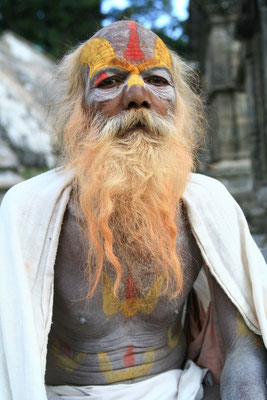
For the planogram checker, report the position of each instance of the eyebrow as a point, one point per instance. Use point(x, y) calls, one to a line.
point(109, 71)
point(155, 69)
point(123, 72)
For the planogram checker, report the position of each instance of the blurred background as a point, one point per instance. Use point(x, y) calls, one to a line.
point(224, 41)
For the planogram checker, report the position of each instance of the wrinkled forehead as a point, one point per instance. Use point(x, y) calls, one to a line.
point(125, 44)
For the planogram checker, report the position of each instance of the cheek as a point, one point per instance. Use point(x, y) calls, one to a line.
point(165, 93)
point(164, 98)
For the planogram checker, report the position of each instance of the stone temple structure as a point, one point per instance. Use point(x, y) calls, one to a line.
point(25, 147)
point(228, 41)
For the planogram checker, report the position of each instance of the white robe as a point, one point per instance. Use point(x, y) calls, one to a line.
point(30, 222)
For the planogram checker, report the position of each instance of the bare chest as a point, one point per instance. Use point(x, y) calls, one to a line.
point(126, 330)
point(71, 281)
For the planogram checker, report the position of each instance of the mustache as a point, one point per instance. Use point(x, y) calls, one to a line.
point(127, 122)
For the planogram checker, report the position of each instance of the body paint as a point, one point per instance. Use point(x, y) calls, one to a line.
point(133, 51)
point(126, 373)
point(175, 334)
point(100, 55)
point(166, 93)
point(101, 77)
point(64, 356)
point(243, 331)
point(128, 357)
point(131, 306)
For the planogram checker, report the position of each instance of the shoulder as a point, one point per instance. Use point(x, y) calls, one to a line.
point(210, 189)
point(203, 183)
point(38, 188)
point(208, 196)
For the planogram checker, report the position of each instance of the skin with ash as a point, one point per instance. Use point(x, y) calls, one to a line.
point(127, 258)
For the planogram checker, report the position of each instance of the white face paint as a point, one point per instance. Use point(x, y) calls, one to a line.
point(164, 92)
point(99, 90)
point(109, 83)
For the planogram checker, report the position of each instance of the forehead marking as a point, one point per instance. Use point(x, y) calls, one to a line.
point(133, 51)
point(98, 54)
point(135, 79)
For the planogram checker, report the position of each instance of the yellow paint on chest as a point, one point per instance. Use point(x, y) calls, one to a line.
point(127, 373)
point(175, 336)
point(68, 363)
point(243, 330)
point(129, 307)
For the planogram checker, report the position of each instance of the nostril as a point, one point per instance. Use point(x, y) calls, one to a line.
point(145, 104)
point(132, 104)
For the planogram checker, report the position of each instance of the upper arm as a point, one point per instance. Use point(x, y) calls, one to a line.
point(245, 369)
point(231, 323)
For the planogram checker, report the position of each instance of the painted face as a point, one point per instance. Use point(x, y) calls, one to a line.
point(129, 67)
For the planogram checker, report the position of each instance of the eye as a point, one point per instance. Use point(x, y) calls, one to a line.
point(110, 82)
point(156, 80)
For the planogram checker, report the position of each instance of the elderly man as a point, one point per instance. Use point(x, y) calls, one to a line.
point(99, 257)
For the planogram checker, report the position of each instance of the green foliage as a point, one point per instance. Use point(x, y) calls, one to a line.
point(54, 25)
point(31, 172)
point(58, 25)
point(149, 13)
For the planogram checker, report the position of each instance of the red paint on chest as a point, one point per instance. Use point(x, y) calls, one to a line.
point(100, 78)
point(133, 51)
point(130, 290)
point(66, 349)
point(128, 358)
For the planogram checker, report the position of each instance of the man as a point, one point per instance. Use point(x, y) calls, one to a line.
point(99, 259)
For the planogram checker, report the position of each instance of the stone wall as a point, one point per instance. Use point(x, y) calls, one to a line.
point(24, 136)
point(228, 40)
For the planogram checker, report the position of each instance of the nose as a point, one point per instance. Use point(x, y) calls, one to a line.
point(136, 97)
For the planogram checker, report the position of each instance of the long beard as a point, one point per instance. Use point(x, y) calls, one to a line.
point(131, 171)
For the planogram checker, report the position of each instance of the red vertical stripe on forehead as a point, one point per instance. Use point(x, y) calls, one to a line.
point(100, 78)
point(133, 51)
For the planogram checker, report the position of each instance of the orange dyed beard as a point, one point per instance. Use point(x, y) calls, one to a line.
point(131, 171)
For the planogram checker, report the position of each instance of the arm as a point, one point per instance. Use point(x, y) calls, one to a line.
point(245, 370)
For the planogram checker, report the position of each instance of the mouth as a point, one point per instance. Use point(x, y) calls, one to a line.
point(138, 127)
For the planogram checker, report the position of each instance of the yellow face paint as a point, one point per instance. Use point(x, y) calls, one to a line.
point(98, 54)
point(135, 79)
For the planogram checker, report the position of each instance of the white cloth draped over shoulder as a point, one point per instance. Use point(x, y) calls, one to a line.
point(30, 222)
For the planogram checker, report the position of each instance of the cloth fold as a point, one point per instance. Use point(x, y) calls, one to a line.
point(176, 384)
